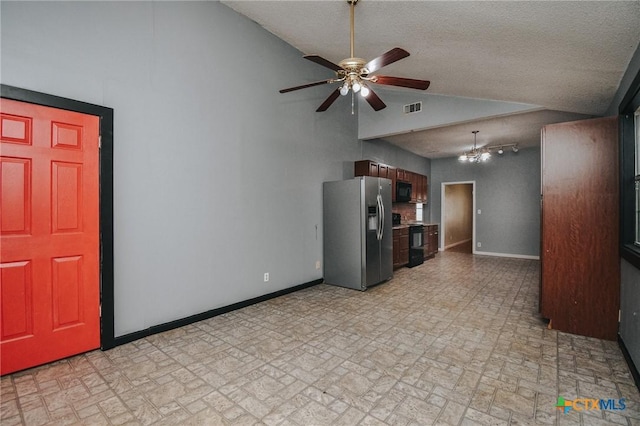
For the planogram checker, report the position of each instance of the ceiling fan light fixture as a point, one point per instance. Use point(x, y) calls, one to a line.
point(500, 151)
point(355, 72)
point(515, 148)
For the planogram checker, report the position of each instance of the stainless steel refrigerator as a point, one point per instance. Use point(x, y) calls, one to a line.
point(358, 240)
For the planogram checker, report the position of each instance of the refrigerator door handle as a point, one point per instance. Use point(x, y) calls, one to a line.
point(379, 213)
point(377, 218)
point(383, 217)
point(380, 216)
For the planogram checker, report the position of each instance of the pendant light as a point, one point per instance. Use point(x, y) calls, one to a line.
point(475, 155)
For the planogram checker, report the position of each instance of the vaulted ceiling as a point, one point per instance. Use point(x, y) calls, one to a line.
point(563, 58)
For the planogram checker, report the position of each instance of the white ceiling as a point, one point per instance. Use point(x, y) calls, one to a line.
point(567, 57)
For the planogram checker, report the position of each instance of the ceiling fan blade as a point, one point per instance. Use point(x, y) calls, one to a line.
point(385, 59)
point(402, 82)
point(375, 102)
point(331, 99)
point(324, 62)
point(304, 86)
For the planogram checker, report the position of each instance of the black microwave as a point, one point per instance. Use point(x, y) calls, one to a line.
point(403, 192)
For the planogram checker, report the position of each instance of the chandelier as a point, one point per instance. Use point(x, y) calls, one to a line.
point(475, 155)
point(480, 155)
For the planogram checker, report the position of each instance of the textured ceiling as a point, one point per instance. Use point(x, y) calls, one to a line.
point(566, 56)
point(521, 129)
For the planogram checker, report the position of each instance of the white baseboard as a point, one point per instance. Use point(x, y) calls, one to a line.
point(457, 244)
point(517, 256)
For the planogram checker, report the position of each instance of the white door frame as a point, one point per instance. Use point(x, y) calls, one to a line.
point(443, 213)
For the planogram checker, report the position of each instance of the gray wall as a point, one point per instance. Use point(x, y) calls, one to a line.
point(218, 178)
point(507, 193)
point(385, 152)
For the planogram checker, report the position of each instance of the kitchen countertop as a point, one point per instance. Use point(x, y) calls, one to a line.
point(422, 223)
point(401, 226)
point(406, 225)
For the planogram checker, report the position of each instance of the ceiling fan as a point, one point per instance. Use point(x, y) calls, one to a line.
point(356, 74)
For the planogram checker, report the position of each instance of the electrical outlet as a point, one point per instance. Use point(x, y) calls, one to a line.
point(479, 245)
point(317, 264)
point(266, 277)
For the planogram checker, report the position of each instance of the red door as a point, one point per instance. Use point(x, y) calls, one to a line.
point(49, 235)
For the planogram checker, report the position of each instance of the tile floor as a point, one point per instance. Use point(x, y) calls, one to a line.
point(454, 341)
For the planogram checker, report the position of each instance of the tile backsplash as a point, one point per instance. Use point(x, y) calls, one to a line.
point(407, 211)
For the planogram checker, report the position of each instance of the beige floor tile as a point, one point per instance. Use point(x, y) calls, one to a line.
point(457, 340)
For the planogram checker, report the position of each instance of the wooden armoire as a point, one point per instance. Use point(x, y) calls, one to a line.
point(580, 261)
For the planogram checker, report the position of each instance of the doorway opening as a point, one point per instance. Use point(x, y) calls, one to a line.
point(458, 219)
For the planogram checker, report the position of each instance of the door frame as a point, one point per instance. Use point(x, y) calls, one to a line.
point(107, 339)
point(443, 213)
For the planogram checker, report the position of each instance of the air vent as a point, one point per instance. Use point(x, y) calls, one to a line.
point(411, 108)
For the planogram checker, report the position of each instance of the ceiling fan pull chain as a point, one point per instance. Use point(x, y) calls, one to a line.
point(352, 103)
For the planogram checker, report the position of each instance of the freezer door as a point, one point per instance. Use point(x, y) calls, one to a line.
point(373, 228)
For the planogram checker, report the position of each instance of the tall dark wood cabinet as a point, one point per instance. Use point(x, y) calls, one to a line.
point(580, 277)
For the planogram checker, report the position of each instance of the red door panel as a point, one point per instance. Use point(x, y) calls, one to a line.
point(17, 301)
point(16, 196)
point(49, 235)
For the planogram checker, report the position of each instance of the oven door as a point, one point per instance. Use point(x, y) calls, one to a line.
point(416, 237)
point(416, 245)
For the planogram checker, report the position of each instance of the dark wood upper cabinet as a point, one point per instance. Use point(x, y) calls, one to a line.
point(362, 168)
point(382, 170)
point(418, 182)
point(374, 170)
point(580, 277)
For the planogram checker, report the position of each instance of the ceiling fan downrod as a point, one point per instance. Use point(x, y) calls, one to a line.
point(354, 71)
point(352, 3)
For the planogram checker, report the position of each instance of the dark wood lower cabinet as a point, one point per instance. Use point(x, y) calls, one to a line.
point(430, 241)
point(400, 247)
point(580, 279)
point(401, 244)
